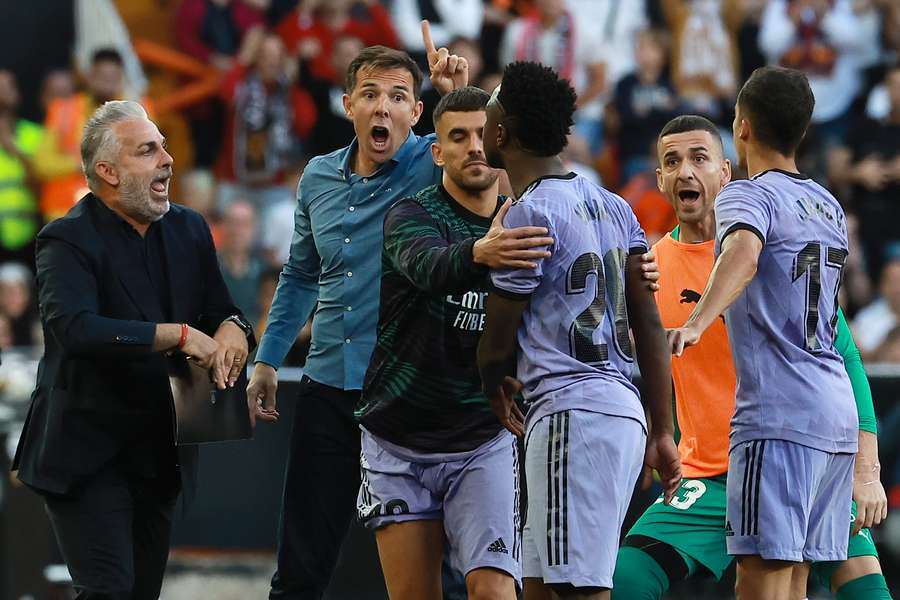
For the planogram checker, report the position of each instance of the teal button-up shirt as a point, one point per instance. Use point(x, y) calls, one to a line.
point(335, 259)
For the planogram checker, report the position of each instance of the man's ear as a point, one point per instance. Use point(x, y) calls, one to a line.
point(107, 172)
point(417, 113)
point(437, 154)
point(345, 100)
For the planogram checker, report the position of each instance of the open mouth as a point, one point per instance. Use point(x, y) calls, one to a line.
point(380, 137)
point(160, 184)
point(688, 196)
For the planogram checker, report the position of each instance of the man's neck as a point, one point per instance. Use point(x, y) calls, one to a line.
point(760, 160)
point(483, 203)
point(894, 116)
point(113, 205)
point(363, 165)
point(530, 168)
point(699, 232)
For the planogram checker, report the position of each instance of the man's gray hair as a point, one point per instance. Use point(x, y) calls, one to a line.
point(98, 142)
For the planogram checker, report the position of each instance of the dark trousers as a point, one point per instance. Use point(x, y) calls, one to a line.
point(321, 482)
point(114, 532)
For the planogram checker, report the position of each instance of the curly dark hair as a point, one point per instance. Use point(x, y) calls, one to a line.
point(542, 104)
point(779, 105)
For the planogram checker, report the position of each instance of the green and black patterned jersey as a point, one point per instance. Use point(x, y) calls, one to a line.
point(422, 390)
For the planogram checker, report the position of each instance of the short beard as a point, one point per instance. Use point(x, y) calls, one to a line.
point(134, 197)
point(477, 186)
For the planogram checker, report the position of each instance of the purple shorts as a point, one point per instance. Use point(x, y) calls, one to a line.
point(474, 493)
point(788, 502)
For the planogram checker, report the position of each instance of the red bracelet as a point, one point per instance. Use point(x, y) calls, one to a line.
point(184, 334)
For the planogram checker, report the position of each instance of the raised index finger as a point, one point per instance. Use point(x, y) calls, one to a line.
point(426, 37)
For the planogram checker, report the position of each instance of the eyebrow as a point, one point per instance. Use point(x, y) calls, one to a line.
point(152, 144)
point(457, 130)
point(372, 84)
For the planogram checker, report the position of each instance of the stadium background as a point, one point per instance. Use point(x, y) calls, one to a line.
point(198, 64)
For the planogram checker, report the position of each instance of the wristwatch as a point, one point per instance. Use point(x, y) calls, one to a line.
point(241, 322)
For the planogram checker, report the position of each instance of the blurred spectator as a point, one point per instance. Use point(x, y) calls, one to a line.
point(749, 56)
point(651, 207)
point(6, 336)
point(19, 140)
point(870, 163)
point(277, 232)
point(268, 116)
point(449, 19)
point(644, 102)
point(489, 81)
point(58, 160)
point(17, 302)
point(826, 39)
point(471, 51)
point(333, 129)
point(59, 83)
point(241, 267)
point(212, 30)
point(296, 356)
point(196, 189)
point(576, 157)
point(872, 324)
point(856, 290)
point(309, 31)
point(99, 25)
point(889, 351)
point(570, 43)
point(615, 25)
point(704, 54)
point(878, 104)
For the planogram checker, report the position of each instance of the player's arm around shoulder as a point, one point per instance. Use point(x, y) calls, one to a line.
point(417, 245)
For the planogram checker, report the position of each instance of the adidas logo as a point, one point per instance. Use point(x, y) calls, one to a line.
point(728, 530)
point(498, 546)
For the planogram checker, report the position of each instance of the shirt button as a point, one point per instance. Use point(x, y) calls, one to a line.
point(346, 240)
point(349, 308)
point(349, 273)
point(352, 208)
point(372, 195)
point(347, 341)
point(365, 180)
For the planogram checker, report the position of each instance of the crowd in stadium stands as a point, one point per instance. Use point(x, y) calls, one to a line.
point(248, 90)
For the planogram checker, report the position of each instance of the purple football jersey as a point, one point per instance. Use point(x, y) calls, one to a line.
point(575, 349)
point(791, 382)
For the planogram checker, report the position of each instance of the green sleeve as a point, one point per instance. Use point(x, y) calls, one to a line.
point(416, 247)
point(853, 364)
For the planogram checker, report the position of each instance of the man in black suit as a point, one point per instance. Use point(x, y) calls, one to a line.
point(126, 283)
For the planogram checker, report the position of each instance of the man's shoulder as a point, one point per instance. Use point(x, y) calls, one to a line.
point(427, 200)
point(72, 226)
point(180, 215)
point(325, 163)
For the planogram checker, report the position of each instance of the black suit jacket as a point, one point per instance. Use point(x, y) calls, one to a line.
point(99, 382)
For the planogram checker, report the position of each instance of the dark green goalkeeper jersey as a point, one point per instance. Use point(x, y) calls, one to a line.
point(422, 389)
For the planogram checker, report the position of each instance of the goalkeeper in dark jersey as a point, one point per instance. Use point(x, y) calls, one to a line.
point(438, 470)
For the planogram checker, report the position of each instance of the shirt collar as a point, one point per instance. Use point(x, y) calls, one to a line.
point(346, 164)
point(110, 218)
